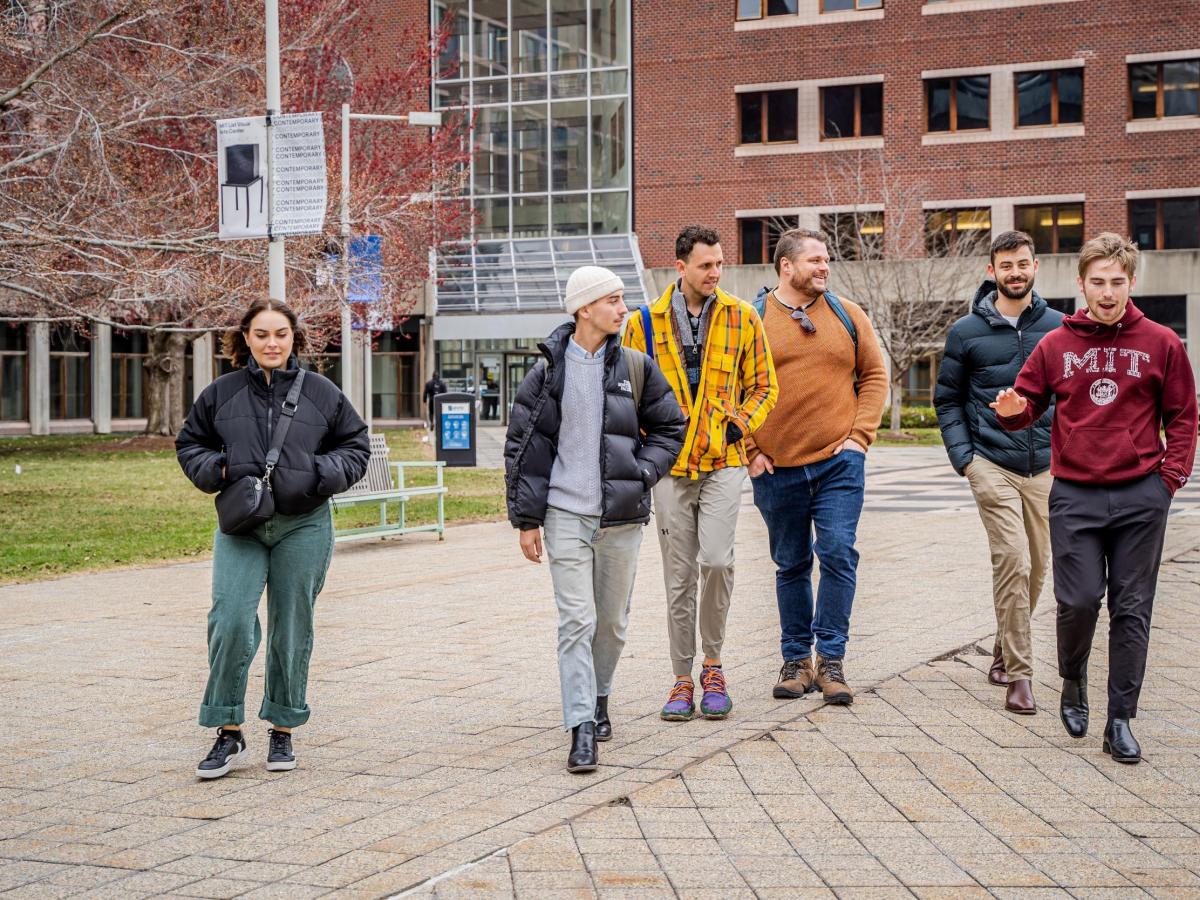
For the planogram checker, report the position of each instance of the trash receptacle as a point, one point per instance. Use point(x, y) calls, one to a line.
point(454, 414)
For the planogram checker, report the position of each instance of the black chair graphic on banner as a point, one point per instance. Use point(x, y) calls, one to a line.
point(241, 172)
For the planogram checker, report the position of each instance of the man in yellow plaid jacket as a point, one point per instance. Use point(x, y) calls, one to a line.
point(713, 351)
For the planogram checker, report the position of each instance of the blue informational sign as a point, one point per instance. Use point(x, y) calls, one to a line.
point(366, 269)
point(456, 426)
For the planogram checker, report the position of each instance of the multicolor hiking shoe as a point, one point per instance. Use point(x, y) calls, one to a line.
point(679, 706)
point(715, 704)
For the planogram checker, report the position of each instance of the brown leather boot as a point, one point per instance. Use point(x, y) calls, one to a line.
point(832, 682)
point(998, 674)
point(1020, 697)
point(795, 679)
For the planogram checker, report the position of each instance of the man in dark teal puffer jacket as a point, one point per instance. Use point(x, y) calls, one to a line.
point(1009, 472)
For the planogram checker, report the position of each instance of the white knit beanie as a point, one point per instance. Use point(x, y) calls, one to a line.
point(588, 284)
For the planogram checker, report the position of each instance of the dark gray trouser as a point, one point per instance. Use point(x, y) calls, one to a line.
point(288, 555)
point(1107, 538)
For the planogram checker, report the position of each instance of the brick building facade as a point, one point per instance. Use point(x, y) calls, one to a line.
point(691, 164)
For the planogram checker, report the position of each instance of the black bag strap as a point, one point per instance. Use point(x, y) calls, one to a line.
point(285, 422)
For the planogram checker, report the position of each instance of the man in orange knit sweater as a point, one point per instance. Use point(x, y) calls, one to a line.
point(807, 460)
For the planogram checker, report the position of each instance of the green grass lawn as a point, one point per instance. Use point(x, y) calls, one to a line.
point(97, 501)
point(90, 502)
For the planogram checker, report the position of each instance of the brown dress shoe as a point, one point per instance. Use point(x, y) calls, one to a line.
point(998, 674)
point(832, 682)
point(795, 679)
point(1020, 697)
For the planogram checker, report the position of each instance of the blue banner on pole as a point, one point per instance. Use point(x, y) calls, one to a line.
point(366, 269)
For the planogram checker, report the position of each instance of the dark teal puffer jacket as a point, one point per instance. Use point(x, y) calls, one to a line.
point(983, 355)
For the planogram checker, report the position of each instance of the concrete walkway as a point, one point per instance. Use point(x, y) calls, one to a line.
point(434, 759)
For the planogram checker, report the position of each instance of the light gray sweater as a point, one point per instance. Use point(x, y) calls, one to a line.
point(575, 483)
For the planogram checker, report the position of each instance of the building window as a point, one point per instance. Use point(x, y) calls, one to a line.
point(854, 235)
point(958, 104)
point(70, 375)
point(845, 5)
point(1065, 305)
point(1049, 98)
point(1055, 228)
point(1160, 90)
point(14, 391)
point(767, 117)
point(1168, 223)
point(852, 110)
point(1170, 311)
point(395, 393)
point(129, 353)
point(757, 9)
point(958, 232)
point(758, 238)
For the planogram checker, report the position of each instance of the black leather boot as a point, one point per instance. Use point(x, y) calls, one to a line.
point(1119, 742)
point(603, 725)
point(1073, 708)
point(583, 748)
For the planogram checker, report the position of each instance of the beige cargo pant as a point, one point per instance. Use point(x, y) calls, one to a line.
point(696, 521)
point(1015, 510)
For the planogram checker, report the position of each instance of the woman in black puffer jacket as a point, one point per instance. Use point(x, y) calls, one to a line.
point(227, 436)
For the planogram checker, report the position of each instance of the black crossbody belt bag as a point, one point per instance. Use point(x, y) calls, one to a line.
point(247, 503)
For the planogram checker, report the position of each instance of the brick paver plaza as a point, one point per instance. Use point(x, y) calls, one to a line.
point(434, 761)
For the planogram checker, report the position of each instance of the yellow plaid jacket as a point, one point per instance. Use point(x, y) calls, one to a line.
point(737, 382)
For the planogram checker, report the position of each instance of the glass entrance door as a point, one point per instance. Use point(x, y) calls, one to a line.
point(516, 367)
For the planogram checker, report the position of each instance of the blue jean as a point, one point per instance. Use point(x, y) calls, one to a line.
point(825, 497)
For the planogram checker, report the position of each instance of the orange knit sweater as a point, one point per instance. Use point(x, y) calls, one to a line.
point(817, 408)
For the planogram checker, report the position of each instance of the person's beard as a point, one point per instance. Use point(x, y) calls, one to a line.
point(803, 285)
point(1015, 293)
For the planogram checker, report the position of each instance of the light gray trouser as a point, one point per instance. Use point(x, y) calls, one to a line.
point(592, 569)
point(697, 520)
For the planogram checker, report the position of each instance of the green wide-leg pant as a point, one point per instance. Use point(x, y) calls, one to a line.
point(288, 555)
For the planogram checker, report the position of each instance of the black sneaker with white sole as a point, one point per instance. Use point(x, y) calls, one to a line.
point(230, 747)
point(280, 757)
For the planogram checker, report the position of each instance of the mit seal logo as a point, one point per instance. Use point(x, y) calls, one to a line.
point(1103, 391)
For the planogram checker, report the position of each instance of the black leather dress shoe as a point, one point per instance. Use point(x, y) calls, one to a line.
point(583, 755)
point(1073, 708)
point(603, 725)
point(1119, 742)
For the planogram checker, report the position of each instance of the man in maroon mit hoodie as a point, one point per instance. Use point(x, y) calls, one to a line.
point(1117, 380)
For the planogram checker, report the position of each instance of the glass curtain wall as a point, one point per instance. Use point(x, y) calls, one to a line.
point(548, 83)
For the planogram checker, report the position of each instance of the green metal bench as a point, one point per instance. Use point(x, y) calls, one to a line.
point(379, 487)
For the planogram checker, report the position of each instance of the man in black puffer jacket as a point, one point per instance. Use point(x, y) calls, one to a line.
point(1009, 472)
point(593, 428)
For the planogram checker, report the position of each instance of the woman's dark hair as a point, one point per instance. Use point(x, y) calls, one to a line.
point(233, 344)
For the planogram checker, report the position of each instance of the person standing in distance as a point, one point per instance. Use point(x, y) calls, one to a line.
point(1119, 382)
point(227, 436)
point(714, 353)
point(807, 462)
point(1009, 472)
point(593, 428)
point(433, 387)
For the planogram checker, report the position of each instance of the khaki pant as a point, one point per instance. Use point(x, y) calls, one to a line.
point(1016, 516)
point(696, 521)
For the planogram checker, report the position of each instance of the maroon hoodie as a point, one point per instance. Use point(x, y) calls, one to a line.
point(1114, 388)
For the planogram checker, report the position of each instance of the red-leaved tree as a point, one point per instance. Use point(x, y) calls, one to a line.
point(108, 168)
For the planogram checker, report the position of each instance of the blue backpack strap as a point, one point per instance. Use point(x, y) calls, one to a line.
point(648, 330)
point(836, 305)
point(760, 301)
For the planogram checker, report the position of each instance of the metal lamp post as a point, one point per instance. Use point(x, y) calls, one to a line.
point(359, 389)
